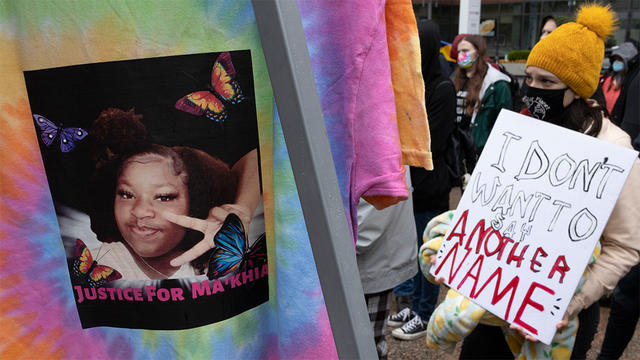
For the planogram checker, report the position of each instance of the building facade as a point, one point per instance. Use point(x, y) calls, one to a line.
point(517, 23)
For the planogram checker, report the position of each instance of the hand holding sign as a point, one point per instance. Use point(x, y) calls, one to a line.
point(433, 260)
point(529, 220)
point(559, 326)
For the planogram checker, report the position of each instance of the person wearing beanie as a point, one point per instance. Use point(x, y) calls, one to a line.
point(562, 75)
point(454, 45)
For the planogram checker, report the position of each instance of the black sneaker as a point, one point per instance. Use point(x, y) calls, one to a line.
point(400, 318)
point(412, 330)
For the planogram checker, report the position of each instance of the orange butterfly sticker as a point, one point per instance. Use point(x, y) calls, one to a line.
point(87, 271)
point(223, 88)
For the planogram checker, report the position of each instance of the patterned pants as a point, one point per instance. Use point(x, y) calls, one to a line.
point(378, 306)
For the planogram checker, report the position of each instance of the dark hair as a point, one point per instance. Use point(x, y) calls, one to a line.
point(116, 132)
point(209, 181)
point(583, 117)
point(544, 21)
point(479, 69)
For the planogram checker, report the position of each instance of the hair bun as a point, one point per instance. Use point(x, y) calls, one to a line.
point(597, 18)
point(117, 132)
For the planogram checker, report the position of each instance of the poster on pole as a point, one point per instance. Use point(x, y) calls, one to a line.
point(524, 230)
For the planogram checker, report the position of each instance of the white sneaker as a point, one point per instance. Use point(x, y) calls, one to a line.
point(412, 330)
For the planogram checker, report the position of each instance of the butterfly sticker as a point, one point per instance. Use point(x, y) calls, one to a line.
point(49, 131)
point(87, 271)
point(223, 87)
point(232, 255)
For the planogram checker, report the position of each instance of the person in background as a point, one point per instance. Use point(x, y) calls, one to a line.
point(482, 90)
point(454, 52)
point(612, 81)
point(626, 111)
point(547, 25)
point(430, 188)
point(386, 256)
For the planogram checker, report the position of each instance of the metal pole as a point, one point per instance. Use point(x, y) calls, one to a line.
point(294, 88)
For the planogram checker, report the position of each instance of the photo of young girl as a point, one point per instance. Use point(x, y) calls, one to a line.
point(141, 183)
point(154, 171)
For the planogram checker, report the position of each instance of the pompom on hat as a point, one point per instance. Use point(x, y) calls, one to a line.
point(575, 50)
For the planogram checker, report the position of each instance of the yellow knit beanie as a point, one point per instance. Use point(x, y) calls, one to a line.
point(574, 51)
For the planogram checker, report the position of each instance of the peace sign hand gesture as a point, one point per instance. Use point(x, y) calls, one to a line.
point(209, 227)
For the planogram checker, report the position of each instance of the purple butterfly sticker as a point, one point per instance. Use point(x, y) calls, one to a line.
point(49, 131)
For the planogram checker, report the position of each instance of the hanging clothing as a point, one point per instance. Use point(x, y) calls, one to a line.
point(408, 84)
point(382, 233)
point(350, 60)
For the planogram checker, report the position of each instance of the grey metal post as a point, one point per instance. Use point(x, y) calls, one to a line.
point(289, 66)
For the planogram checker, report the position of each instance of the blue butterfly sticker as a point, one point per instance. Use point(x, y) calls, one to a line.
point(232, 255)
point(49, 131)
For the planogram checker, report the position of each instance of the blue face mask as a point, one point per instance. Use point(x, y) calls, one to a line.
point(617, 66)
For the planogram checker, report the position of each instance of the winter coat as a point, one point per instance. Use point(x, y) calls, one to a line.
point(620, 239)
point(496, 95)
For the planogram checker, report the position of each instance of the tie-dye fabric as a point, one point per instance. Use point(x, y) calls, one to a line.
point(350, 61)
point(37, 305)
point(408, 84)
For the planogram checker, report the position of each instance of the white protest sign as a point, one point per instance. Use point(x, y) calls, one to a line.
point(528, 222)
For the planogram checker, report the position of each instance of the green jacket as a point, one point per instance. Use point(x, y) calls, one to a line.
point(497, 96)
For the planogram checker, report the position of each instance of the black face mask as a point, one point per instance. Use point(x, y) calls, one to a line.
point(546, 105)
